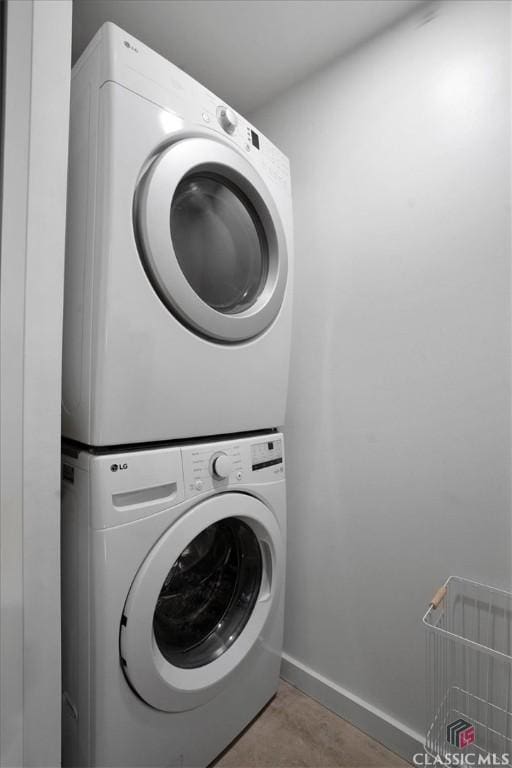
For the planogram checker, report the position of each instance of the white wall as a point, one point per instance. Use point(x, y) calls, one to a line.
point(398, 426)
point(33, 211)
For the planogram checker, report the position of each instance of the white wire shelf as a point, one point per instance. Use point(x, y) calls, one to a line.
point(469, 670)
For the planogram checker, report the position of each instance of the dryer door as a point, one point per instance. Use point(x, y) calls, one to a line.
point(200, 600)
point(211, 240)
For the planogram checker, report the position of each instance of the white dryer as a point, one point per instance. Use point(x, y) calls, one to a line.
point(173, 565)
point(179, 257)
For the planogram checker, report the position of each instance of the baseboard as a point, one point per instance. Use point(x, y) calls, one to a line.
point(388, 731)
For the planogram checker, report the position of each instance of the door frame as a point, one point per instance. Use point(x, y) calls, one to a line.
point(35, 124)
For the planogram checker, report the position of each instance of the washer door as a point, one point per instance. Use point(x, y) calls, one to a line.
point(211, 240)
point(200, 600)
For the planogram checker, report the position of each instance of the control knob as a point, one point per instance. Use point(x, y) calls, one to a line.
point(221, 465)
point(227, 119)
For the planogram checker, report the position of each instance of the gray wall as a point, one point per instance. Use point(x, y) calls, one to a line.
point(398, 426)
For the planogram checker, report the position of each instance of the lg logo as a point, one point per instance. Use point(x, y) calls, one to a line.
point(116, 467)
point(130, 46)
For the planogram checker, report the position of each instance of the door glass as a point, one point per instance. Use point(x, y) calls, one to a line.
point(208, 595)
point(219, 242)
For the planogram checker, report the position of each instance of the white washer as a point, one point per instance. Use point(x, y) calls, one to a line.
point(173, 565)
point(179, 257)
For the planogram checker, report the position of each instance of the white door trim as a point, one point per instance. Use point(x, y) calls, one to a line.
point(34, 179)
point(154, 199)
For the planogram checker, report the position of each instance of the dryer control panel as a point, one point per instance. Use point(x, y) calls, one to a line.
point(220, 465)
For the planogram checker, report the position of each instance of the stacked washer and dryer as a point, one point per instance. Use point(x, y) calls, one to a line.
point(176, 347)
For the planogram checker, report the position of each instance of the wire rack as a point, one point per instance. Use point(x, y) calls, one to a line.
point(469, 670)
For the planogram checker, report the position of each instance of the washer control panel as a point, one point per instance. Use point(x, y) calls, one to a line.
point(266, 454)
point(221, 465)
point(209, 466)
point(216, 466)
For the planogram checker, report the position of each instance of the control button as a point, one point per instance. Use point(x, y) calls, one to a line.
point(198, 485)
point(227, 119)
point(221, 465)
point(206, 117)
point(239, 474)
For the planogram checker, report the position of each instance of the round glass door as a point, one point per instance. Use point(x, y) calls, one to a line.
point(211, 240)
point(219, 242)
point(208, 594)
point(200, 600)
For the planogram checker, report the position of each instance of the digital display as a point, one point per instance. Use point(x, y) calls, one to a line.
point(266, 454)
point(255, 139)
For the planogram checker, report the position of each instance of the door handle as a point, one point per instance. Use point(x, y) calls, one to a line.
point(266, 577)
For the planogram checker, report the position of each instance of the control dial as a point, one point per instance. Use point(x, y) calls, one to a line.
point(227, 119)
point(221, 465)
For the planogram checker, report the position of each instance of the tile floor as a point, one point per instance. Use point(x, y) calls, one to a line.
point(294, 730)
